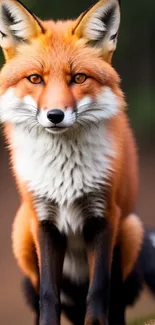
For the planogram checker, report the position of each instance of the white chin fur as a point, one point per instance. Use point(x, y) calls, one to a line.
point(56, 130)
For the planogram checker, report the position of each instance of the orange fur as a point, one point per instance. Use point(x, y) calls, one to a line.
point(131, 235)
point(48, 55)
point(23, 243)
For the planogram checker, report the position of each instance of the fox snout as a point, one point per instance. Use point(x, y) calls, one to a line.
point(56, 119)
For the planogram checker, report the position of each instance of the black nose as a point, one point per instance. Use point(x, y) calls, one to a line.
point(55, 116)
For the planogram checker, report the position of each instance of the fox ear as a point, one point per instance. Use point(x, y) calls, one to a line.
point(99, 26)
point(17, 24)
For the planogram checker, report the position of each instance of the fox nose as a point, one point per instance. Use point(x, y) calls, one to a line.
point(55, 116)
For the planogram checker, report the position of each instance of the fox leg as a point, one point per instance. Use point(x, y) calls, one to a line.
point(117, 303)
point(130, 240)
point(52, 250)
point(99, 236)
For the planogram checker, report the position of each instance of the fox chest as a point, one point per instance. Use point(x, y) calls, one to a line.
point(66, 178)
point(63, 170)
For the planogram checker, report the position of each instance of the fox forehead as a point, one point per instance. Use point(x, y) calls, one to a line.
point(53, 54)
point(58, 47)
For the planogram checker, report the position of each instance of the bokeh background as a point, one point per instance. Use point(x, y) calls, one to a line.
point(135, 62)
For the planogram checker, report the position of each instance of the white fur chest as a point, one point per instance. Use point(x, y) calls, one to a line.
point(62, 168)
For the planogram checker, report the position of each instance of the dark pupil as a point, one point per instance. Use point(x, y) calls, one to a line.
point(35, 78)
point(79, 77)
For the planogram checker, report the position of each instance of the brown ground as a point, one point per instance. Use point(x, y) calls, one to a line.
point(12, 308)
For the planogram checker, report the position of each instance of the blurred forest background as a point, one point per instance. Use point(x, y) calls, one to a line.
point(135, 62)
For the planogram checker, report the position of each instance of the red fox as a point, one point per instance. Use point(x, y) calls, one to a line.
point(72, 153)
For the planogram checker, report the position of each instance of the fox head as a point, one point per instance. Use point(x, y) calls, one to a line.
point(58, 75)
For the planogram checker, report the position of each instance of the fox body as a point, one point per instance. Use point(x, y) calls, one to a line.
point(72, 153)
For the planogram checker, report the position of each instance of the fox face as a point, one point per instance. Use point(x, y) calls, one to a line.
point(58, 75)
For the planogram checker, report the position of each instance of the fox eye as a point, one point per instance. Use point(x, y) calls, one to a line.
point(79, 78)
point(35, 79)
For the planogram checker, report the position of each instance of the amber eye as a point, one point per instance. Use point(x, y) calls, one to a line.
point(35, 79)
point(79, 78)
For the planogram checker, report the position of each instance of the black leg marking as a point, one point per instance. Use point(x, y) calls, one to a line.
point(31, 296)
point(52, 249)
point(117, 305)
point(98, 242)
